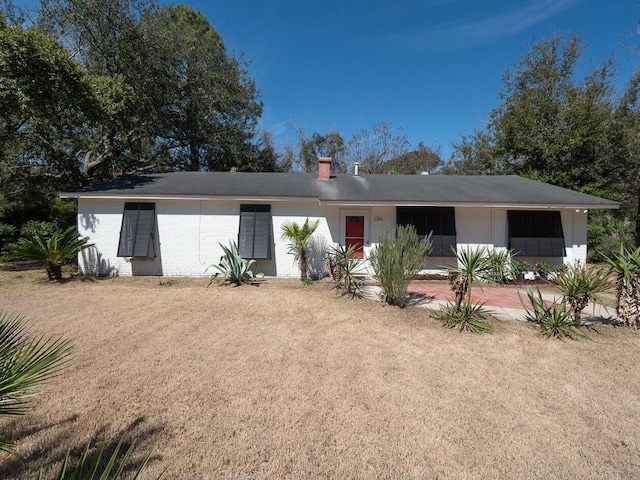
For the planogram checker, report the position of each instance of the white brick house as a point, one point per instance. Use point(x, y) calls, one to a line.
point(171, 224)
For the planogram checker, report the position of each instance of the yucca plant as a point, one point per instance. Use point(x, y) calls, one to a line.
point(345, 268)
point(91, 470)
point(554, 320)
point(232, 266)
point(468, 317)
point(626, 267)
point(580, 285)
point(299, 238)
point(500, 266)
point(472, 266)
point(396, 260)
point(60, 247)
point(26, 362)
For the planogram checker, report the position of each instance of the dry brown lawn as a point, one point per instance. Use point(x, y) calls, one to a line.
point(283, 380)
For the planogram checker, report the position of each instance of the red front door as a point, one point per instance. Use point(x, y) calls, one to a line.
point(354, 234)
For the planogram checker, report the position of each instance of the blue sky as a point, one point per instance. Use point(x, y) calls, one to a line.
point(431, 67)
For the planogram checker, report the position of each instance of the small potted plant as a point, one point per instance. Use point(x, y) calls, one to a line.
point(542, 269)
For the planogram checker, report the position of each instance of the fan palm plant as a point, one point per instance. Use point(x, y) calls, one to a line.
point(299, 238)
point(626, 267)
point(26, 361)
point(580, 285)
point(54, 251)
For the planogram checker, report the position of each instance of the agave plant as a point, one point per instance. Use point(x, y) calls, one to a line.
point(555, 319)
point(26, 362)
point(86, 470)
point(580, 285)
point(626, 267)
point(232, 266)
point(60, 247)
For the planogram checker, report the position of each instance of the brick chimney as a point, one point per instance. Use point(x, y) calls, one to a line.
point(324, 168)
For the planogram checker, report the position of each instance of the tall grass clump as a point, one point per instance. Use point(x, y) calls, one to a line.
point(396, 260)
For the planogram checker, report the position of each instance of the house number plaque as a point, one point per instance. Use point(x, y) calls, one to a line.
point(377, 219)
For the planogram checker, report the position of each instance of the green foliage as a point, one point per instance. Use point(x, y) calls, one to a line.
point(54, 251)
point(422, 159)
point(580, 285)
point(38, 228)
point(27, 361)
point(299, 238)
point(466, 318)
point(345, 268)
point(554, 320)
point(232, 266)
point(501, 266)
point(626, 267)
point(607, 233)
point(543, 269)
point(94, 470)
point(396, 260)
point(472, 266)
point(7, 230)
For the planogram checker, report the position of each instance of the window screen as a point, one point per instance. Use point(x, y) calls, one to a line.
point(136, 232)
point(254, 238)
point(536, 233)
point(439, 221)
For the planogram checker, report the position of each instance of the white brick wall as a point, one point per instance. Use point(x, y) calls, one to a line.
point(189, 231)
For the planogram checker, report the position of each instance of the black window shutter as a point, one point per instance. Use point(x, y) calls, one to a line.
point(536, 233)
point(254, 238)
point(440, 222)
point(136, 231)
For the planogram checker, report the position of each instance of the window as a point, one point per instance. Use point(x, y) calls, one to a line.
point(439, 221)
point(254, 239)
point(136, 232)
point(536, 233)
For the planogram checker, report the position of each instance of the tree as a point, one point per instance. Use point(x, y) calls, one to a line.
point(373, 149)
point(422, 159)
point(558, 127)
point(191, 105)
point(299, 237)
point(327, 145)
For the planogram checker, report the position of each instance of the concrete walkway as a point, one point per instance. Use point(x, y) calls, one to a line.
point(502, 302)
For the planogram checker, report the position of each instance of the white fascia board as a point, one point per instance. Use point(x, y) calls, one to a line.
point(187, 197)
point(527, 206)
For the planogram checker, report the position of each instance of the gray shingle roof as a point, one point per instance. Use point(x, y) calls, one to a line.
point(349, 189)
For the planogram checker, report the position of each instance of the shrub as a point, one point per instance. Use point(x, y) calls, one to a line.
point(54, 251)
point(554, 320)
point(396, 260)
point(345, 269)
point(40, 228)
point(580, 285)
point(501, 266)
point(543, 269)
point(232, 266)
point(466, 318)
